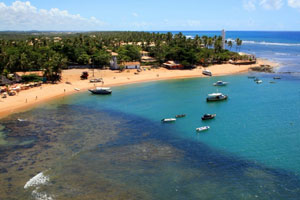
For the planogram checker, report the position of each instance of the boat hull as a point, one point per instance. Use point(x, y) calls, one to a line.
point(101, 92)
point(217, 99)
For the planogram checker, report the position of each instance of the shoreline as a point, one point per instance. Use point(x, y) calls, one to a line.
point(33, 97)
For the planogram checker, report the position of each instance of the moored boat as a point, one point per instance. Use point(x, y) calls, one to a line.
point(258, 81)
point(251, 77)
point(206, 72)
point(208, 116)
point(180, 116)
point(100, 90)
point(276, 77)
point(220, 83)
point(168, 120)
point(203, 128)
point(216, 97)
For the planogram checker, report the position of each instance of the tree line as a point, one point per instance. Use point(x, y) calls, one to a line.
point(52, 53)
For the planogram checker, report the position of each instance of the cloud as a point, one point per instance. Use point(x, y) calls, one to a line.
point(24, 16)
point(135, 14)
point(271, 4)
point(294, 3)
point(249, 5)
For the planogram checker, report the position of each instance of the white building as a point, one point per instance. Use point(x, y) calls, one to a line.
point(131, 65)
point(114, 61)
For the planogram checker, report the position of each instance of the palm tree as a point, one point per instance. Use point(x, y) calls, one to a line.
point(229, 43)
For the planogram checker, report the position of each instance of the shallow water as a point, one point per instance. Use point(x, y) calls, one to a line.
point(115, 147)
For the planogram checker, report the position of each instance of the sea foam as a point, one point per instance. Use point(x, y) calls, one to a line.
point(266, 43)
point(39, 179)
point(36, 181)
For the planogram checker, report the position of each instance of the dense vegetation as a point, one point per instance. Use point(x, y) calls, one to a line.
point(21, 52)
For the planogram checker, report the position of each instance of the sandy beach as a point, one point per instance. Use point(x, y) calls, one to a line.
point(32, 97)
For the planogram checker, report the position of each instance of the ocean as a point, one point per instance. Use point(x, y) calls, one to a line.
point(116, 147)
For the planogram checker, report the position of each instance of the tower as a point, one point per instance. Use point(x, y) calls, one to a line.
point(223, 38)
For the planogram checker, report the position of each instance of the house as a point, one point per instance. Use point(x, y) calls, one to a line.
point(131, 65)
point(146, 58)
point(173, 65)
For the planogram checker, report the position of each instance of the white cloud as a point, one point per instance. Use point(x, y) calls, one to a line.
point(135, 14)
point(294, 3)
point(249, 5)
point(271, 4)
point(24, 16)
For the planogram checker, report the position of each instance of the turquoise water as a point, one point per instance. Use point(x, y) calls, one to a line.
point(258, 122)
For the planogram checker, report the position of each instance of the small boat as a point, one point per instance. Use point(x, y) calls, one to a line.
point(276, 77)
point(208, 116)
point(22, 120)
point(180, 116)
point(96, 80)
point(203, 128)
point(272, 82)
point(101, 90)
point(77, 89)
point(220, 83)
point(251, 77)
point(216, 97)
point(259, 81)
point(168, 120)
point(206, 72)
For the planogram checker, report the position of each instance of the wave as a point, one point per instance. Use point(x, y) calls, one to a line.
point(38, 179)
point(266, 43)
point(190, 37)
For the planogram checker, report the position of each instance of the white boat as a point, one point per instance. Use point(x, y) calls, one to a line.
point(258, 81)
point(101, 90)
point(169, 120)
point(220, 83)
point(207, 72)
point(216, 97)
point(203, 128)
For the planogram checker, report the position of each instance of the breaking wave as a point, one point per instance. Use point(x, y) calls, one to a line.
point(267, 43)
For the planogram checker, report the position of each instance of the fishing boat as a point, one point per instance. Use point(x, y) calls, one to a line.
point(168, 120)
point(206, 72)
point(220, 83)
point(203, 128)
point(208, 116)
point(216, 97)
point(180, 116)
point(101, 90)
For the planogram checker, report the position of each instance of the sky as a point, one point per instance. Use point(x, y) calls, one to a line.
point(151, 15)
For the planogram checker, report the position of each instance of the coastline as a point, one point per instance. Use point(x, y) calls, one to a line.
point(28, 99)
